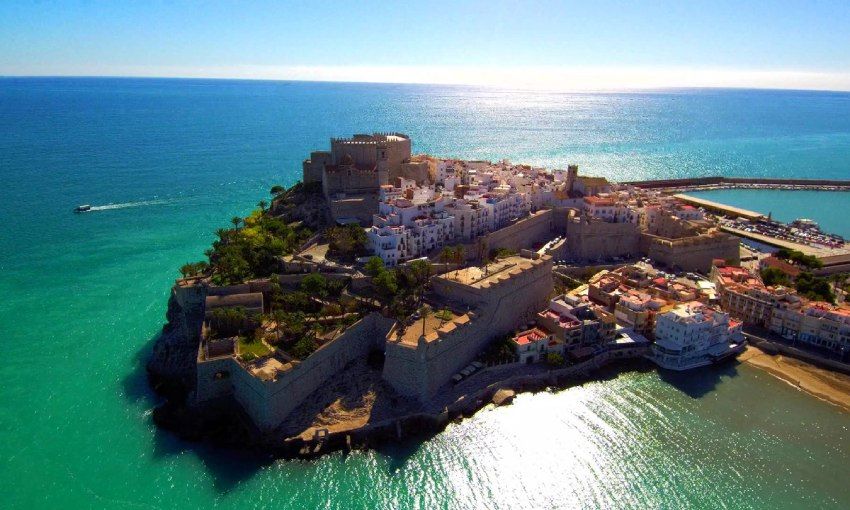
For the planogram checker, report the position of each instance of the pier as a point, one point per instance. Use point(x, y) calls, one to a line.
point(723, 182)
point(726, 210)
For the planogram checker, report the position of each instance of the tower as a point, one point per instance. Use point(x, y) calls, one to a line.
point(383, 166)
point(572, 175)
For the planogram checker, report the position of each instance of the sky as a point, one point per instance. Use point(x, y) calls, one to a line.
point(567, 45)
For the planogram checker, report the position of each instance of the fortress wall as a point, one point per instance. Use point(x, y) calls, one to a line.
point(405, 368)
point(208, 386)
point(560, 217)
point(361, 207)
point(365, 150)
point(416, 170)
point(350, 181)
point(522, 234)
point(312, 168)
point(670, 226)
point(399, 151)
point(451, 290)
point(364, 153)
point(599, 239)
point(420, 371)
point(692, 253)
point(269, 402)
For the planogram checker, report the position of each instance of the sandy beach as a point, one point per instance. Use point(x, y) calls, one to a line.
point(826, 385)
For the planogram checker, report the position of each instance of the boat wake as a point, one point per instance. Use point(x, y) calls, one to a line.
point(125, 205)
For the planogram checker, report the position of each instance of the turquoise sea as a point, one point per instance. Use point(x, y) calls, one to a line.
point(84, 295)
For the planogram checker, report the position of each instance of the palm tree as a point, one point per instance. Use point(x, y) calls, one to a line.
point(424, 311)
point(447, 255)
point(279, 318)
point(262, 205)
point(236, 220)
point(460, 254)
point(222, 233)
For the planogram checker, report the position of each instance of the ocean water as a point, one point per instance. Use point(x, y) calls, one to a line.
point(166, 162)
point(825, 206)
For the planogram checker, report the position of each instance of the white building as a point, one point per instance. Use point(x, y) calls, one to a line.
point(694, 335)
point(535, 344)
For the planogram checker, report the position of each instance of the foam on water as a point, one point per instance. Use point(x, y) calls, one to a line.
point(125, 205)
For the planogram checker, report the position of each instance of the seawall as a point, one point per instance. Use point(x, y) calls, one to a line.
point(720, 181)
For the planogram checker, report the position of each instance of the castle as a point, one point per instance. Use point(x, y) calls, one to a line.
point(353, 171)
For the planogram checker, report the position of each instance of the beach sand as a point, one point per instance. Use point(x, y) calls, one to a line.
point(826, 385)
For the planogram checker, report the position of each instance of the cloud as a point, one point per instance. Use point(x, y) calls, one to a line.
point(541, 78)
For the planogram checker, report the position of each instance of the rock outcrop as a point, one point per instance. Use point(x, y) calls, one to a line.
point(171, 367)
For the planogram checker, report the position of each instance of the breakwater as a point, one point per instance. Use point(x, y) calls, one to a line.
point(723, 182)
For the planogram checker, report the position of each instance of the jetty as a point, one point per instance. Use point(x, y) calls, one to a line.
point(724, 182)
point(727, 210)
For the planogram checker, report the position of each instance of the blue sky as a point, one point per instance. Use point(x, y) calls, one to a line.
point(586, 44)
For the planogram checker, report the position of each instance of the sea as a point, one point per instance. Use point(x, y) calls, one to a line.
point(164, 163)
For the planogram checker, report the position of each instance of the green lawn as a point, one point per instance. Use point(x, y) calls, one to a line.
point(251, 349)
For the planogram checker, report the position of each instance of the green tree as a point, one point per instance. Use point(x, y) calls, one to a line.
point(374, 266)
point(774, 276)
point(275, 292)
point(814, 288)
point(447, 254)
point(262, 204)
point(386, 283)
point(314, 284)
point(460, 255)
point(193, 268)
point(236, 220)
point(277, 189)
point(347, 242)
point(228, 321)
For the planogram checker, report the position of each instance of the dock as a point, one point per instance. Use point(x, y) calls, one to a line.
point(727, 210)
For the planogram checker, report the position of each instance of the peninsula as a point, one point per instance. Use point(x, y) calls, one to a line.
point(389, 293)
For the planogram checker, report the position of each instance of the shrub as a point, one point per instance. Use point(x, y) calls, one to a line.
point(553, 359)
point(774, 276)
point(314, 284)
point(347, 242)
point(303, 348)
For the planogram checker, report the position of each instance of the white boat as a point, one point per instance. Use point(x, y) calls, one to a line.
point(82, 208)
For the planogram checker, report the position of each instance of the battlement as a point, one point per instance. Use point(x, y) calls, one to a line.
point(365, 139)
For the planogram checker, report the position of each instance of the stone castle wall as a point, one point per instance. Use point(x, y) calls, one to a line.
point(692, 253)
point(351, 181)
point(536, 228)
point(312, 168)
point(269, 402)
point(419, 371)
point(595, 239)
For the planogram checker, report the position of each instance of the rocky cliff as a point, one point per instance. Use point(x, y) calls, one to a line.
point(171, 367)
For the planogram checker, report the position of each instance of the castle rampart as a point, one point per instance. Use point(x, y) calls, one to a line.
point(269, 398)
point(501, 301)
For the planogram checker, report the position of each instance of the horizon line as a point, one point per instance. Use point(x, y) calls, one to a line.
point(545, 79)
point(434, 84)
